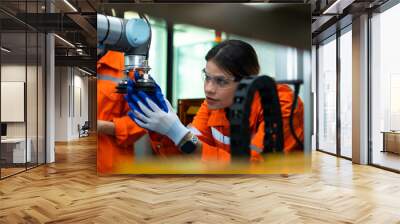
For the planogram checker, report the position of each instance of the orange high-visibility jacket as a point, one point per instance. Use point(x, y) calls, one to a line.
point(112, 107)
point(213, 128)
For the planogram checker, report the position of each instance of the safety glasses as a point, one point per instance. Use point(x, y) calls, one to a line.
point(219, 80)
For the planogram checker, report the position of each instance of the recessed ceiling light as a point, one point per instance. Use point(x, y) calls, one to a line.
point(5, 50)
point(70, 5)
point(86, 72)
point(64, 40)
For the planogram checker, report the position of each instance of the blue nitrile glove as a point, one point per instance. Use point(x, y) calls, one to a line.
point(156, 96)
point(132, 96)
point(155, 119)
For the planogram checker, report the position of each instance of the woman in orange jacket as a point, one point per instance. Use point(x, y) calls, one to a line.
point(208, 135)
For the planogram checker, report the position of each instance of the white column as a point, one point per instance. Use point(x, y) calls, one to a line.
point(314, 97)
point(50, 92)
point(360, 90)
point(50, 99)
point(305, 73)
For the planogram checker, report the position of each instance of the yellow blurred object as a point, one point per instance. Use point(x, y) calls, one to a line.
point(192, 110)
point(187, 109)
point(273, 164)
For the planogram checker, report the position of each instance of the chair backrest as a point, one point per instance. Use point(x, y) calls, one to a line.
point(86, 125)
point(187, 109)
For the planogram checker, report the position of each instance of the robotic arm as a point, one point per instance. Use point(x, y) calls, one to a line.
point(133, 38)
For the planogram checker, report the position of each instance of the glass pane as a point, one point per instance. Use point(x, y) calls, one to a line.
point(191, 44)
point(41, 99)
point(31, 87)
point(31, 98)
point(278, 61)
point(158, 53)
point(22, 82)
point(346, 94)
point(327, 97)
point(385, 86)
point(13, 86)
point(272, 58)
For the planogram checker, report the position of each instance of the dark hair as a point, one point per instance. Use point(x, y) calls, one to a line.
point(236, 57)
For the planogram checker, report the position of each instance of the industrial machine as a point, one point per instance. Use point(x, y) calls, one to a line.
point(239, 114)
point(133, 38)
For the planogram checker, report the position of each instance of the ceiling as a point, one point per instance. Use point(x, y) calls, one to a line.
point(22, 21)
point(76, 23)
point(321, 22)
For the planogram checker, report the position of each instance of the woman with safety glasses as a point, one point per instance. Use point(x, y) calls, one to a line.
point(208, 134)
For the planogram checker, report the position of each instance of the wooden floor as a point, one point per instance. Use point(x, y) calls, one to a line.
point(5, 172)
point(10, 171)
point(69, 191)
point(387, 159)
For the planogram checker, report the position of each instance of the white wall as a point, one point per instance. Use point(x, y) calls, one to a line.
point(80, 101)
point(16, 73)
point(71, 94)
point(61, 103)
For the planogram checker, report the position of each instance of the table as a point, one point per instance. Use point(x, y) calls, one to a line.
point(391, 141)
point(13, 150)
